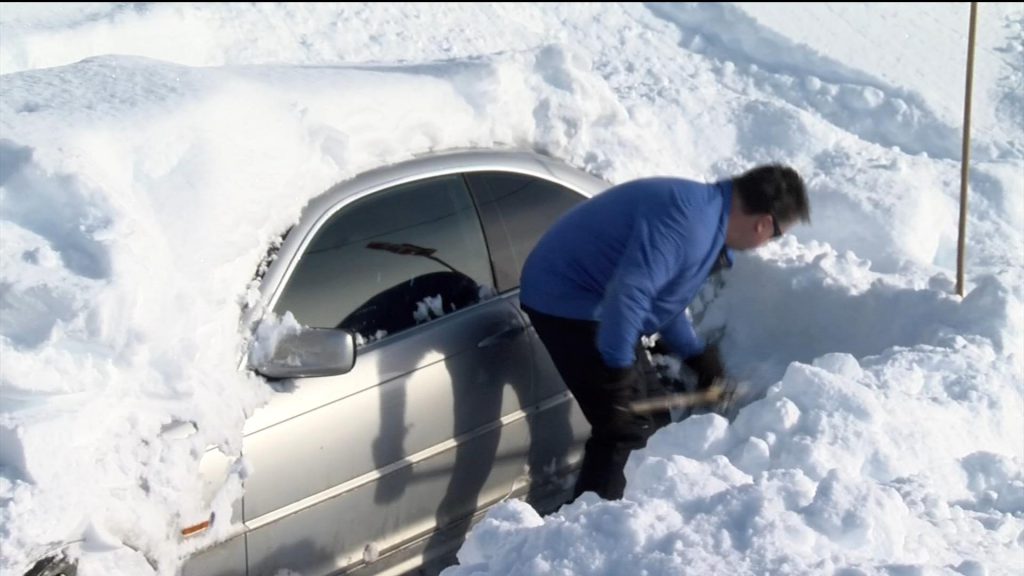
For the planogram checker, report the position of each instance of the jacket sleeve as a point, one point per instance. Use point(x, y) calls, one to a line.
point(681, 337)
point(655, 252)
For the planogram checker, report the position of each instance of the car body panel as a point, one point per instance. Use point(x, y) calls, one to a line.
point(413, 409)
point(228, 558)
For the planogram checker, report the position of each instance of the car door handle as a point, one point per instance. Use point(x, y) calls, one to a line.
point(505, 335)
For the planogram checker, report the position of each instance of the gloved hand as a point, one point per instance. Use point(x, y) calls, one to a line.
point(707, 365)
point(660, 347)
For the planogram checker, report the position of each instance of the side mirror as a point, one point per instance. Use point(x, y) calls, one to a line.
point(305, 353)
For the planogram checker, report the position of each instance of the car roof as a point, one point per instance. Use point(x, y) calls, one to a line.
point(453, 161)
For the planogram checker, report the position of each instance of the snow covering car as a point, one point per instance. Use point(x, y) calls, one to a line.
point(410, 393)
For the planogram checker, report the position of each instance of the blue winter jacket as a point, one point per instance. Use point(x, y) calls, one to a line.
point(632, 258)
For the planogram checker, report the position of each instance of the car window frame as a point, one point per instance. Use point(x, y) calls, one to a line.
point(349, 201)
point(287, 256)
point(503, 237)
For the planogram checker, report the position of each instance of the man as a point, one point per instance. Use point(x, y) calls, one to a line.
point(627, 263)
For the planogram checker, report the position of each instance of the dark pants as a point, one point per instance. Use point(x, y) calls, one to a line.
point(603, 395)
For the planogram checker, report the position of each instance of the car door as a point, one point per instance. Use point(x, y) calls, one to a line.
point(389, 461)
point(516, 210)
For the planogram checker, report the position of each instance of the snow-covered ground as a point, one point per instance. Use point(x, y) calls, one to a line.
point(149, 153)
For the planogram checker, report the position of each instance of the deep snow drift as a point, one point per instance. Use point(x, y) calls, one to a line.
point(140, 187)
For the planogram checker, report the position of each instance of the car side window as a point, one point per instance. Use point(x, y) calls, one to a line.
point(394, 259)
point(516, 210)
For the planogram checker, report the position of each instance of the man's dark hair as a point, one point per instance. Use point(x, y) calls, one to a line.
point(774, 189)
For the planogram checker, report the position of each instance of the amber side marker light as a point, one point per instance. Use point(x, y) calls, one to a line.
point(197, 528)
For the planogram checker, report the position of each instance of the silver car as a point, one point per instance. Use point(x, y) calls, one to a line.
point(420, 396)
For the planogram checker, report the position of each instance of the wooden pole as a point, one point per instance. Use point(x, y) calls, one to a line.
point(965, 155)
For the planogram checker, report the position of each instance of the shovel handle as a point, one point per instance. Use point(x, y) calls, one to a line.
point(682, 400)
